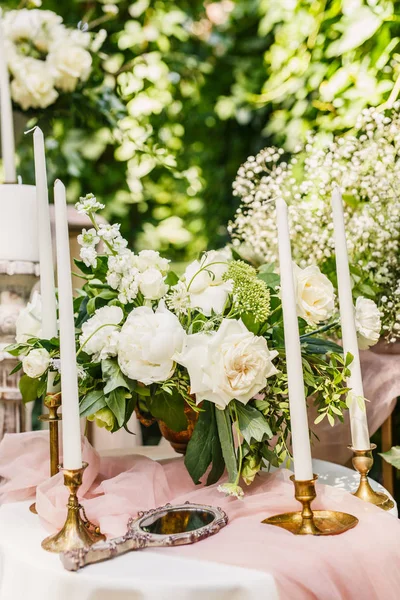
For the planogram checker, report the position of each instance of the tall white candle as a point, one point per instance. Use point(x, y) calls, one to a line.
point(47, 285)
point(358, 417)
point(69, 376)
point(7, 124)
point(303, 470)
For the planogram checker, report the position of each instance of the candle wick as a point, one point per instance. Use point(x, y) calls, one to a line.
point(30, 130)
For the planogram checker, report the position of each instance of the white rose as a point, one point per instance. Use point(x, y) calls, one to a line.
point(204, 280)
point(100, 334)
point(29, 320)
point(368, 322)
point(69, 64)
point(27, 24)
point(148, 344)
point(227, 364)
point(33, 85)
point(36, 362)
point(315, 295)
point(150, 259)
point(152, 284)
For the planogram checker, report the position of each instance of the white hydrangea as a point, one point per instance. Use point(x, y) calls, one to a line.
point(100, 333)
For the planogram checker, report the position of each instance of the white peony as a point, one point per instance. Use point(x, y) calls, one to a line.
point(204, 280)
point(36, 362)
point(227, 364)
point(315, 295)
point(150, 259)
point(152, 284)
point(69, 64)
point(33, 85)
point(100, 333)
point(29, 320)
point(149, 342)
point(368, 322)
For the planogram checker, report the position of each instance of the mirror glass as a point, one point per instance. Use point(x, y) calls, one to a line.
point(170, 522)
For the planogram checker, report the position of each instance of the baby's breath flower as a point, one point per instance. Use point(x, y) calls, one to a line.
point(250, 294)
point(88, 204)
point(366, 165)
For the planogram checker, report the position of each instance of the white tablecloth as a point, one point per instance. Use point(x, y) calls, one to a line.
point(27, 571)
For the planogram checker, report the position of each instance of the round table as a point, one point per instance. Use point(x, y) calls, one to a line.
point(27, 571)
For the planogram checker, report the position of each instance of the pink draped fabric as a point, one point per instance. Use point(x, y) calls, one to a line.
point(381, 379)
point(362, 563)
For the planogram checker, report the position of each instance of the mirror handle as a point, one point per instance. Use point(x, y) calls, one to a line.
point(76, 559)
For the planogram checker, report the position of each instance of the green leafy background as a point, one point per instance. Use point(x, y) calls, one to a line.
point(190, 89)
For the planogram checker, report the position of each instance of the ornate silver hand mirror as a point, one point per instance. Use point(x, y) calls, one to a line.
point(167, 526)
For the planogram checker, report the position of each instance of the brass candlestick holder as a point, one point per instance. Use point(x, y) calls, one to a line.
point(52, 403)
point(362, 462)
point(77, 532)
point(307, 521)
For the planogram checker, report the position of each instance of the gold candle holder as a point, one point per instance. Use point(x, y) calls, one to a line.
point(362, 462)
point(307, 521)
point(52, 403)
point(77, 532)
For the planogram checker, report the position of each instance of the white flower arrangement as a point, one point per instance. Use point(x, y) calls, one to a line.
point(209, 342)
point(44, 56)
point(365, 163)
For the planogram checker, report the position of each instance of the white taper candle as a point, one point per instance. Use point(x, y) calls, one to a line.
point(358, 417)
point(47, 284)
point(303, 470)
point(6, 115)
point(72, 458)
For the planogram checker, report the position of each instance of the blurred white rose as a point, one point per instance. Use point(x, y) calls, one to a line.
point(315, 295)
point(36, 362)
point(227, 364)
point(100, 334)
point(29, 321)
point(204, 280)
point(33, 85)
point(69, 64)
point(148, 344)
point(368, 323)
point(152, 284)
point(150, 259)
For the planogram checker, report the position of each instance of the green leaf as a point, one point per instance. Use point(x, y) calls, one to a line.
point(113, 376)
point(320, 418)
point(224, 424)
point(91, 403)
point(271, 279)
point(204, 447)
point(172, 278)
point(16, 368)
point(116, 401)
point(170, 409)
point(82, 267)
point(252, 423)
point(392, 456)
point(29, 388)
